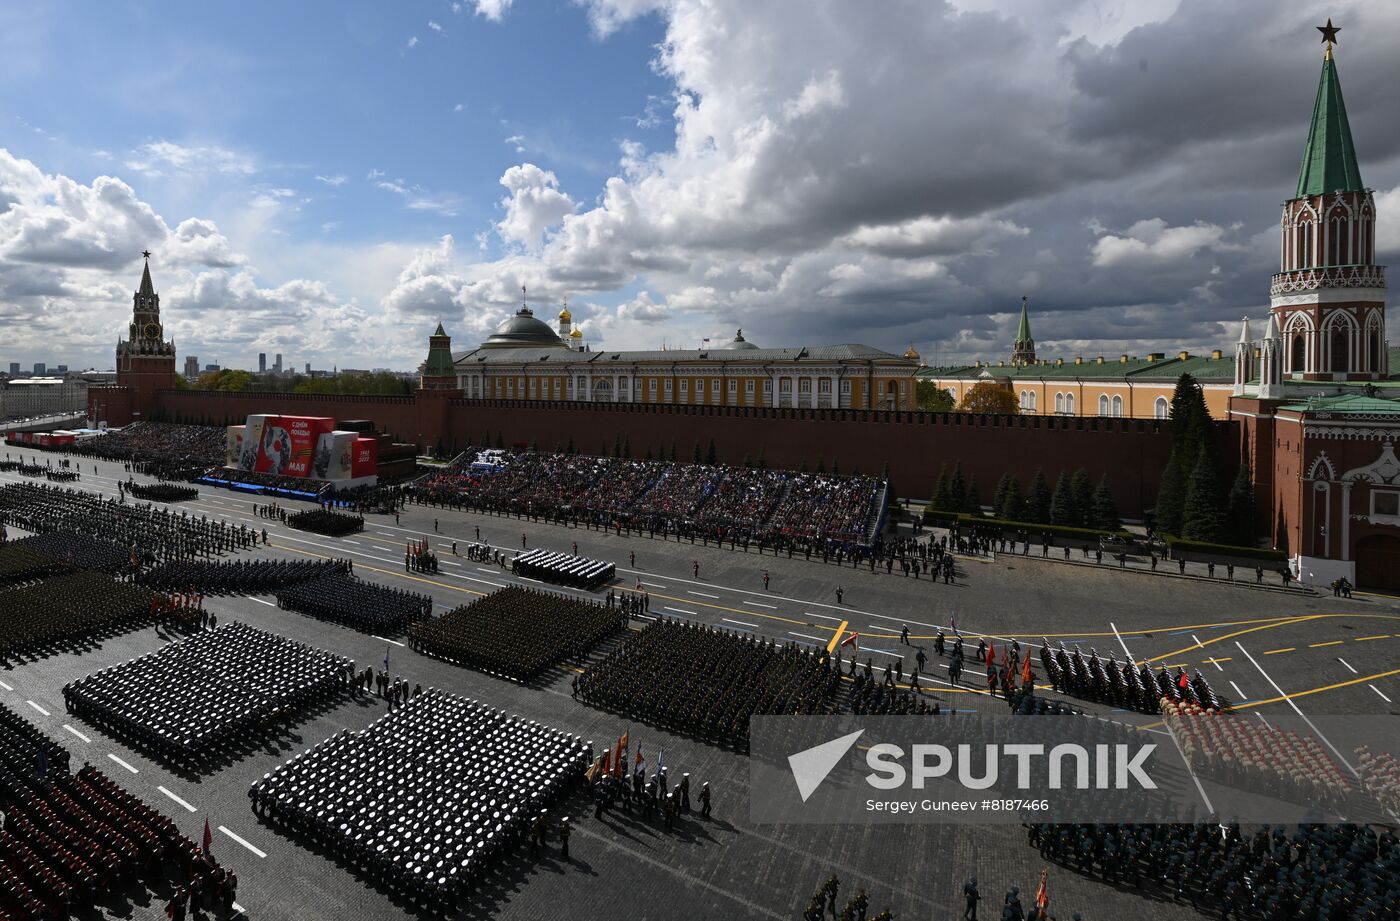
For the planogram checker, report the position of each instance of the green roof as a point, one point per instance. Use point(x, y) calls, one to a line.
point(1348, 403)
point(1204, 369)
point(1329, 160)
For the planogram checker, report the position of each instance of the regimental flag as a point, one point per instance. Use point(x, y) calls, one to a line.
point(991, 654)
point(1183, 681)
point(1026, 676)
point(640, 760)
point(1042, 891)
point(208, 840)
point(621, 754)
point(853, 641)
point(592, 772)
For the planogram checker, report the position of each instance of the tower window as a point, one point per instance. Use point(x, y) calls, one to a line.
point(1338, 350)
point(1300, 349)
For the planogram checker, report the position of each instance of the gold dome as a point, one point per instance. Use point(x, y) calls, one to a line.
point(911, 354)
point(576, 334)
point(565, 316)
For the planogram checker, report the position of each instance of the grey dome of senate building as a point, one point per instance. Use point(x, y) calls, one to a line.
point(738, 344)
point(523, 331)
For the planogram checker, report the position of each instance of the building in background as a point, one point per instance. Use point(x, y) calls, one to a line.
point(42, 396)
point(191, 367)
point(262, 362)
point(14, 369)
point(40, 369)
point(277, 364)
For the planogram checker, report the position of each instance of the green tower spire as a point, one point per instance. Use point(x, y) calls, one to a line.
point(1329, 159)
point(1023, 332)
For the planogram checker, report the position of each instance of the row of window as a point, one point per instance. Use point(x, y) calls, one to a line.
point(1111, 407)
point(564, 388)
point(1339, 244)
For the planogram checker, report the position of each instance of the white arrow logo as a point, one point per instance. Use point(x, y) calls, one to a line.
point(810, 766)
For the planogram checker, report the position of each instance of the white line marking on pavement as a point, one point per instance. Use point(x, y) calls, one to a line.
point(386, 639)
point(1318, 732)
point(900, 620)
point(385, 534)
point(807, 636)
point(76, 733)
point(1131, 659)
point(1198, 642)
point(1348, 665)
point(260, 601)
point(349, 541)
point(449, 563)
point(1378, 691)
point(702, 594)
point(37, 707)
point(683, 611)
point(742, 623)
point(1241, 694)
point(245, 844)
point(482, 581)
point(654, 584)
point(484, 569)
point(176, 799)
point(528, 579)
point(5, 686)
point(122, 763)
point(823, 616)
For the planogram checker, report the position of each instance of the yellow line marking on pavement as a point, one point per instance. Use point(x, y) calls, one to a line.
point(1378, 636)
point(387, 572)
point(1329, 687)
point(1329, 643)
point(1274, 652)
point(836, 637)
point(1178, 665)
point(1217, 639)
point(1215, 660)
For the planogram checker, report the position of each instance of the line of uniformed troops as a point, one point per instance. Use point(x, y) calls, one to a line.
point(238, 577)
point(706, 682)
point(1123, 684)
point(367, 606)
point(74, 607)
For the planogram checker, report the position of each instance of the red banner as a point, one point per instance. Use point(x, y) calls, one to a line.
point(365, 460)
point(288, 444)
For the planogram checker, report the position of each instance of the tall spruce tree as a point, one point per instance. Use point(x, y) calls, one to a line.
point(1084, 496)
point(1239, 508)
point(1171, 498)
point(1038, 501)
point(940, 489)
point(1105, 507)
point(1201, 517)
point(1000, 493)
point(973, 505)
point(1064, 508)
point(1013, 506)
point(957, 489)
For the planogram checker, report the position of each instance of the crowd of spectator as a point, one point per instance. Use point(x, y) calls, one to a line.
point(777, 508)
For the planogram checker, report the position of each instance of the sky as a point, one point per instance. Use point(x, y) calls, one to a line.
point(331, 180)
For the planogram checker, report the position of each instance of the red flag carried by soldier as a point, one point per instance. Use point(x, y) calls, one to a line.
point(991, 654)
point(1042, 891)
point(1026, 676)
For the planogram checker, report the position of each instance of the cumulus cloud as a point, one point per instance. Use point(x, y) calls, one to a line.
point(1152, 243)
point(494, 10)
point(534, 204)
point(932, 236)
point(331, 180)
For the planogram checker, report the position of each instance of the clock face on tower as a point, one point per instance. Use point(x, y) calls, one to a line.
point(152, 331)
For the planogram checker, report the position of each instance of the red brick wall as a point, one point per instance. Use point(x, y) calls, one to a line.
point(1132, 452)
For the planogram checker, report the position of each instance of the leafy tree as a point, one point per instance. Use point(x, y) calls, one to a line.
point(987, 397)
point(1038, 502)
point(182, 383)
point(973, 504)
point(1013, 505)
point(1064, 504)
point(1002, 491)
point(1084, 497)
point(1202, 518)
point(931, 398)
point(1105, 507)
point(1239, 508)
